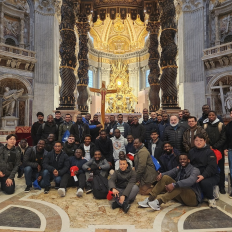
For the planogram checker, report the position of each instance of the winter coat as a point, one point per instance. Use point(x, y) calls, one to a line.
point(63, 128)
point(168, 162)
point(95, 132)
point(48, 129)
point(228, 131)
point(205, 116)
point(205, 160)
point(138, 131)
point(34, 130)
point(87, 122)
point(105, 167)
point(216, 139)
point(106, 148)
point(60, 162)
point(184, 123)
point(22, 151)
point(189, 179)
point(158, 148)
point(187, 137)
point(130, 148)
point(92, 149)
point(123, 180)
point(149, 126)
point(127, 129)
point(144, 167)
point(75, 131)
point(9, 161)
point(69, 149)
point(175, 136)
point(59, 121)
point(118, 145)
point(110, 127)
point(162, 126)
point(78, 163)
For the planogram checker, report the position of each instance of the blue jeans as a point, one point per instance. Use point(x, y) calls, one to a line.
point(31, 174)
point(47, 177)
point(230, 161)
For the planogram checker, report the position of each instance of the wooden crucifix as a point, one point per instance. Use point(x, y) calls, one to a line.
point(103, 91)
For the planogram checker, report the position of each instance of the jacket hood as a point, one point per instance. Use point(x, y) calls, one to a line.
point(214, 122)
point(121, 138)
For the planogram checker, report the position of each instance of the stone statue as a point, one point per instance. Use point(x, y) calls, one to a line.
point(10, 97)
point(128, 105)
point(228, 99)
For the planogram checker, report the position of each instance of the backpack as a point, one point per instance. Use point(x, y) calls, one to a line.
point(220, 124)
point(100, 186)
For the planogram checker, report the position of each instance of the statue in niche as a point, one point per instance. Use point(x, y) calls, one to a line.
point(128, 105)
point(10, 97)
point(228, 99)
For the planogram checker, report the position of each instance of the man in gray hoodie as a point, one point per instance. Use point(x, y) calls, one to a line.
point(119, 144)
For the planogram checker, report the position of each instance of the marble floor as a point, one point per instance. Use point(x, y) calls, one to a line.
point(36, 211)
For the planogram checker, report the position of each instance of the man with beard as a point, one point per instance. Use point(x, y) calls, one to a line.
point(110, 127)
point(58, 119)
point(95, 132)
point(105, 146)
point(79, 130)
point(138, 130)
point(145, 111)
point(205, 112)
point(169, 158)
point(124, 128)
point(33, 163)
point(174, 133)
point(69, 147)
point(86, 120)
point(88, 148)
point(188, 137)
point(49, 142)
point(130, 120)
point(47, 128)
point(65, 126)
point(155, 145)
point(162, 126)
point(184, 121)
point(35, 127)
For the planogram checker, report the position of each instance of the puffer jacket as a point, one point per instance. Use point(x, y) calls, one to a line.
point(138, 131)
point(9, 161)
point(49, 128)
point(75, 131)
point(149, 126)
point(64, 127)
point(175, 136)
point(123, 180)
point(144, 167)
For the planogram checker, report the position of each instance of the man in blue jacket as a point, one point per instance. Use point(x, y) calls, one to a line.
point(78, 179)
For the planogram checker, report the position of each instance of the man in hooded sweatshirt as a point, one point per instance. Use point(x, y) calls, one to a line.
point(119, 144)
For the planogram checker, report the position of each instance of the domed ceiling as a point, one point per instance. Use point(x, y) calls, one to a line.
point(118, 36)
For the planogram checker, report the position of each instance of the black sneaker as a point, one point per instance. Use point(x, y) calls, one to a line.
point(230, 196)
point(222, 191)
point(46, 190)
point(27, 189)
point(125, 207)
point(115, 205)
point(20, 175)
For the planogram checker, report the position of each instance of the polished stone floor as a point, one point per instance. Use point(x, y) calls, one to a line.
point(36, 211)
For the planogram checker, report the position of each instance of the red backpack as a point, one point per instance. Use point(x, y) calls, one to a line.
point(218, 154)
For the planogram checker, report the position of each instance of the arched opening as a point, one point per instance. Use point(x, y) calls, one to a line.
point(11, 42)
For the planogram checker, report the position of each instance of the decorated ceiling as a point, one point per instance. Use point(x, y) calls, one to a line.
point(118, 36)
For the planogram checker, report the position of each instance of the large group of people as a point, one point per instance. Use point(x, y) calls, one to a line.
point(176, 155)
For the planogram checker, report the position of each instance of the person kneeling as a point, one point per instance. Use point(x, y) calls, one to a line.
point(77, 177)
point(123, 185)
point(55, 164)
point(179, 183)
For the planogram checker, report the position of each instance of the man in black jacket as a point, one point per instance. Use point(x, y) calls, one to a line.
point(104, 145)
point(203, 158)
point(174, 133)
point(58, 119)
point(124, 127)
point(228, 147)
point(155, 145)
point(95, 132)
point(9, 163)
point(79, 130)
point(35, 127)
point(179, 183)
point(184, 121)
point(88, 148)
point(47, 128)
point(69, 147)
point(55, 164)
point(138, 130)
point(32, 162)
point(110, 127)
point(49, 142)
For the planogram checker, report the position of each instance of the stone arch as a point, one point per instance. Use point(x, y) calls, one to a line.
point(20, 78)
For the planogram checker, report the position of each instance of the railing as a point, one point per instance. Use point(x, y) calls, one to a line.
point(218, 50)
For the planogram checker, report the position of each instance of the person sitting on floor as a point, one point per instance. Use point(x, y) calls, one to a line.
point(69, 147)
point(123, 185)
point(98, 162)
point(144, 167)
point(55, 164)
point(155, 145)
point(88, 148)
point(203, 158)
point(49, 142)
point(179, 183)
point(169, 158)
point(32, 162)
point(9, 163)
point(74, 179)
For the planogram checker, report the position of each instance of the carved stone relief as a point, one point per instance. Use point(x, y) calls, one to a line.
point(225, 23)
point(11, 27)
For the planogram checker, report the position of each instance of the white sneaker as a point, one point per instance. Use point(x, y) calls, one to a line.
point(212, 203)
point(61, 192)
point(79, 192)
point(216, 192)
point(154, 204)
point(144, 203)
